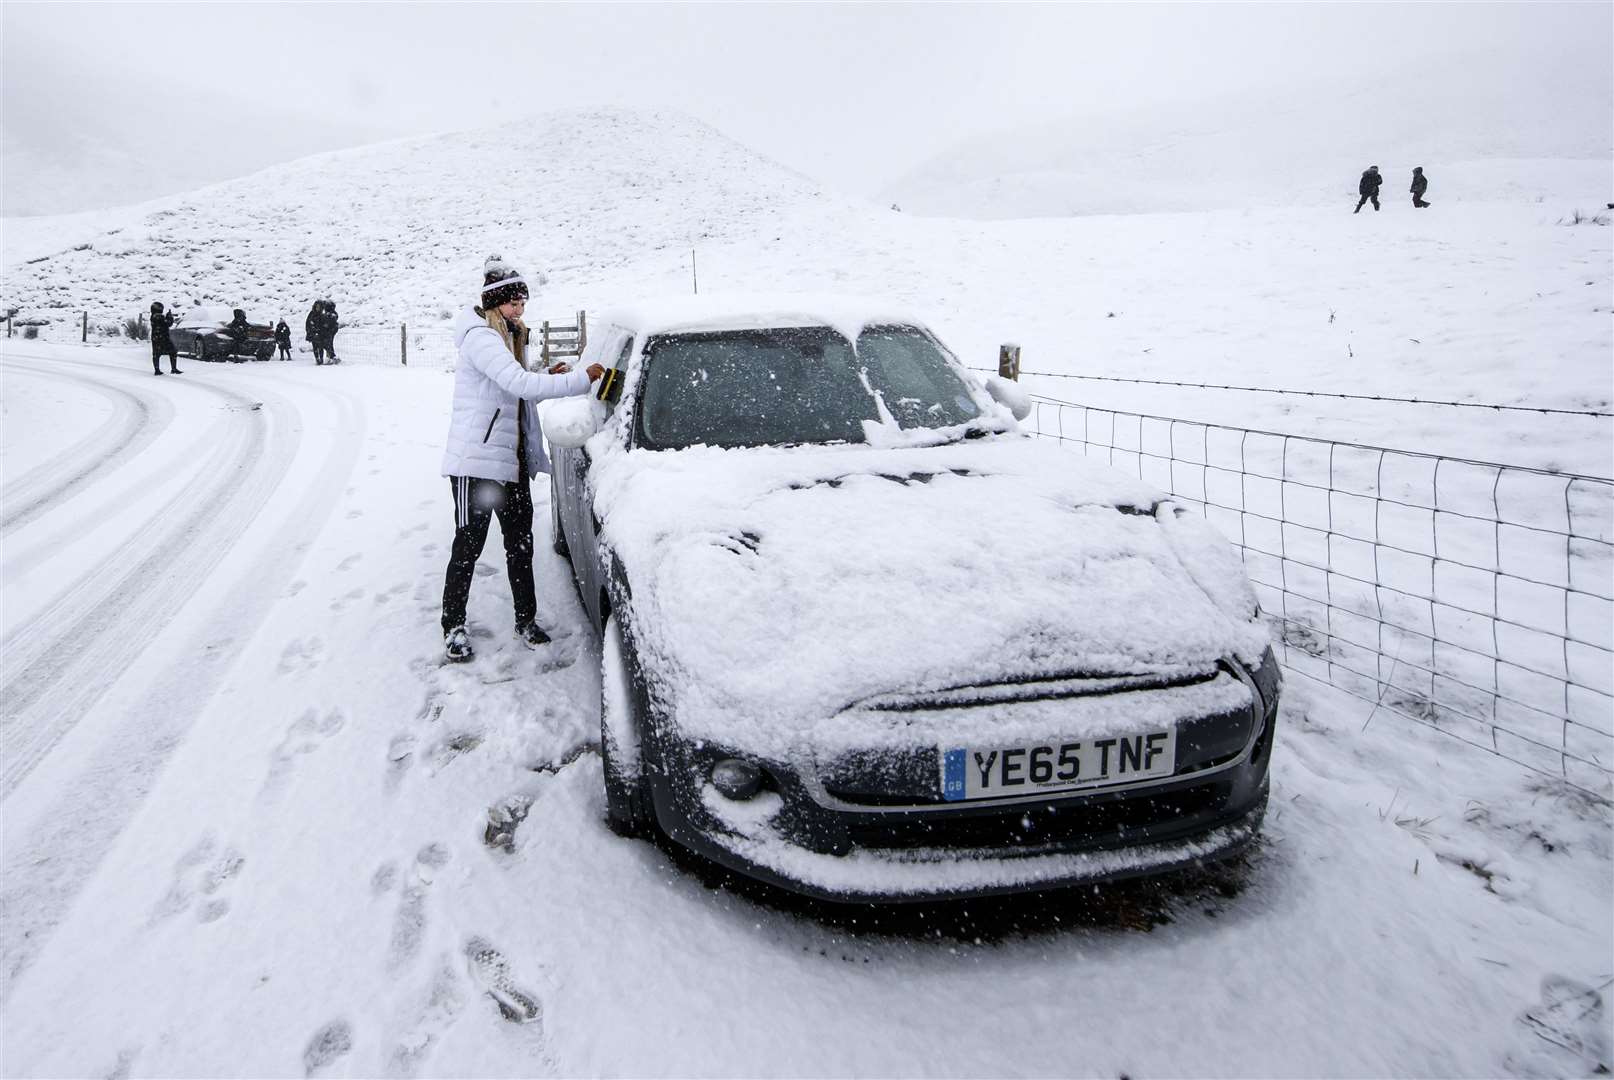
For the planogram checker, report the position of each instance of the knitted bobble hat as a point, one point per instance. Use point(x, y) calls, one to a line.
point(501, 283)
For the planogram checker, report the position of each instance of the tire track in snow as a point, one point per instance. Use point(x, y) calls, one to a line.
point(59, 851)
point(60, 661)
point(138, 419)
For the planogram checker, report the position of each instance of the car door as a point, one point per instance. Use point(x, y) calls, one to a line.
point(577, 501)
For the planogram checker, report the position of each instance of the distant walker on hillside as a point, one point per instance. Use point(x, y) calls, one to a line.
point(1420, 184)
point(1368, 188)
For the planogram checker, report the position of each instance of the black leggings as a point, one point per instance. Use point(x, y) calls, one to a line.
point(475, 502)
point(162, 349)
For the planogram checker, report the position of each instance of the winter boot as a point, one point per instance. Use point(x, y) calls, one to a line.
point(532, 634)
point(457, 646)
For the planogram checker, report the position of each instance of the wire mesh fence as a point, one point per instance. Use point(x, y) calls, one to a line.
point(1473, 597)
point(434, 348)
point(397, 346)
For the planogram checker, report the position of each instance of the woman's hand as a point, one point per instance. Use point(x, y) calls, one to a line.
point(560, 367)
point(595, 373)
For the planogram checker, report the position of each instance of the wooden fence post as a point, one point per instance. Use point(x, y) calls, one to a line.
point(84, 333)
point(582, 333)
point(8, 326)
point(1009, 362)
point(403, 342)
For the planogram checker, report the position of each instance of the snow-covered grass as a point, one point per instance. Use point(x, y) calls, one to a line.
point(251, 826)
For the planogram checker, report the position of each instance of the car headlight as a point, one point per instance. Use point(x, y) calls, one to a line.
point(736, 778)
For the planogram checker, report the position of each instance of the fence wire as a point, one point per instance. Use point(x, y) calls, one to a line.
point(1473, 597)
point(429, 348)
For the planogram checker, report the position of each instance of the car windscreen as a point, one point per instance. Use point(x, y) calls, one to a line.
point(796, 385)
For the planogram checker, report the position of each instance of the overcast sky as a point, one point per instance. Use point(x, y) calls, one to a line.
point(852, 94)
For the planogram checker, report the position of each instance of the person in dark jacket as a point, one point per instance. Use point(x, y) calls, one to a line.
point(314, 330)
point(330, 325)
point(1420, 184)
point(283, 339)
point(161, 342)
point(238, 330)
point(1369, 188)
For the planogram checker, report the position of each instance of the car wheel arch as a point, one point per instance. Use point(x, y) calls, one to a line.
point(629, 804)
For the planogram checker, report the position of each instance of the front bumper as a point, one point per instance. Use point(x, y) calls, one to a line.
point(841, 852)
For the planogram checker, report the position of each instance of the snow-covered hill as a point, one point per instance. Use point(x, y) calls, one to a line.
point(1490, 300)
point(398, 230)
point(1481, 125)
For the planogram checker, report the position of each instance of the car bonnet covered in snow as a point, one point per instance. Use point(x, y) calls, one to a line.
point(773, 589)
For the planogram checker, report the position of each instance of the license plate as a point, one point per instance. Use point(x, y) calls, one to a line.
point(999, 772)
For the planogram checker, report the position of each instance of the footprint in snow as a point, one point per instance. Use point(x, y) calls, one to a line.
point(448, 749)
point(392, 593)
point(432, 708)
point(351, 561)
point(346, 599)
point(490, 972)
point(419, 526)
point(302, 654)
point(445, 1000)
point(1566, 1033)
point(295, 587)
point(384, 878)
point(120, 1068)
point(409, 922)
point(328, 1043)
point(201, 872)
point(504, 818)
point(304, 735)
point(400, 755)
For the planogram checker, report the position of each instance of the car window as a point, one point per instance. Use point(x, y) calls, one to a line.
point(796, 385)
point(917, 386)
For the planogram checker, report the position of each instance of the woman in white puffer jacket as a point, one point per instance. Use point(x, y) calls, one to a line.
point(495, 447)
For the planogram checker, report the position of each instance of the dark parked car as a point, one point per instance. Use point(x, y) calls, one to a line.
point(214, 333)
point(864, 639)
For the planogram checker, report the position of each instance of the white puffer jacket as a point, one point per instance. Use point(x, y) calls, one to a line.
point(489, 386)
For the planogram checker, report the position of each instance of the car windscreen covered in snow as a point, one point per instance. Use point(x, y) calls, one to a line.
point(794, 385)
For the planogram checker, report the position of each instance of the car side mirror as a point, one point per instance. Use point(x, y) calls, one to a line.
point(571, 422)
point(1010, 395)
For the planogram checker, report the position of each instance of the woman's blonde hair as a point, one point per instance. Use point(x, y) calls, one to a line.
point(513, 331)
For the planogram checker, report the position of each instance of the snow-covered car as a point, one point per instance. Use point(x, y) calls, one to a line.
point(864, 639)
point(205, 333)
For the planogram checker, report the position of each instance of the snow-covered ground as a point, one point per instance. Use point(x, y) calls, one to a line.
point(251, 826)
point(258, 843)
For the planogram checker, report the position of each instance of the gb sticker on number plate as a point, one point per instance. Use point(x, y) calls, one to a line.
point(998, 772)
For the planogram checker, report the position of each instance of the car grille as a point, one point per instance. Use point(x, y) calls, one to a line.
point(912, 776)
point(1095, 822)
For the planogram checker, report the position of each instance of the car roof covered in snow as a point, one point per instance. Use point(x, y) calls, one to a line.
point(206, 315)
point(757, 311)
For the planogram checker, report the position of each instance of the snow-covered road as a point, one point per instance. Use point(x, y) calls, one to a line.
point(251, 826)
